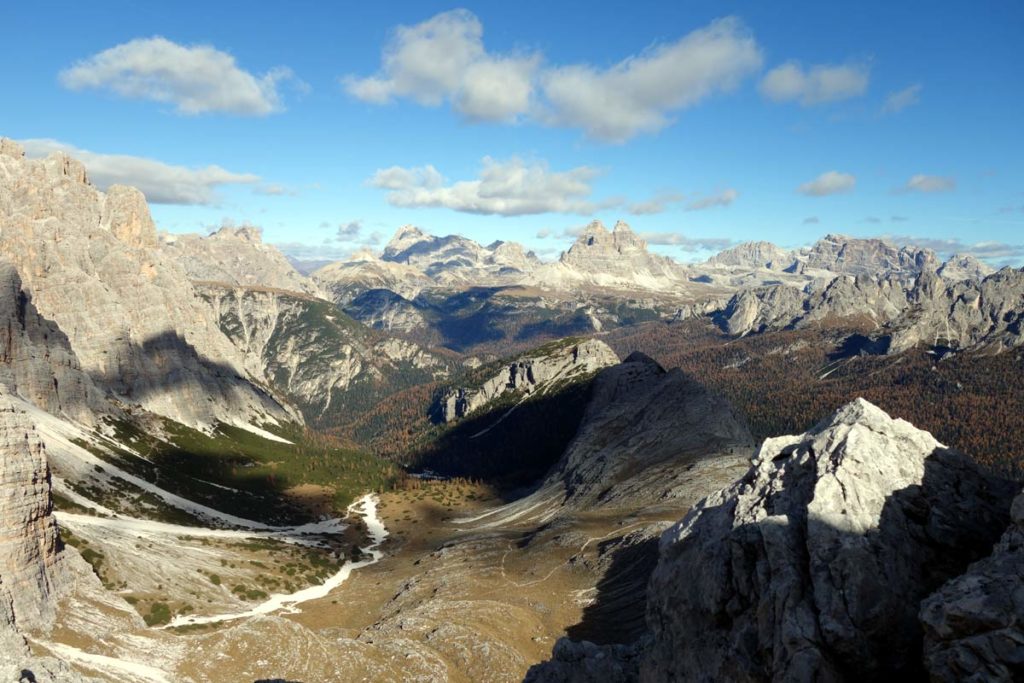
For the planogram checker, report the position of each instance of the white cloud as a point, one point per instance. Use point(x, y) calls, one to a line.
point(656, 204)
point(161, 183)
point(506, 188)
point(275, 190)
point(901, 99)
point(444, 59)
point(639, 94)
point(195, 78)
point(929, 184)
point(723, 198)
point(830, 182)
point(820, 84)
point(689, 244)
point(543, 233)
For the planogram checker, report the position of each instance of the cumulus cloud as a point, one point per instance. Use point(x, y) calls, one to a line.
point(639, 94)
point(997, 252)
point(820, 84)
point(830, 182)
point(161, 183)
point(443, 59)
point(685, 243)
point(196, 79)
point(656, 204)
point(901, 99)
point(929, 184)
point(350, 230)
point(543, 233)
point(504, 188)
point(723, 198)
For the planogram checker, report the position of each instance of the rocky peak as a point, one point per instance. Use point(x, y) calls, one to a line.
point(843, 254)
point(813, 565)
point(759, 254)
point(126, 215)
point(9, 147)
point(530, 373)
point(405, 237)
point(964, 267)
point(245, 233)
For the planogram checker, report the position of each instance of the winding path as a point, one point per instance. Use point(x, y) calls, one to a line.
point(289, 602)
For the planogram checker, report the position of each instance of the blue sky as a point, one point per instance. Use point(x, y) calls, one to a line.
point(699, 123)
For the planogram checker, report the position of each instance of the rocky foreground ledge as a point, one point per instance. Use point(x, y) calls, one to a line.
point(844, 553)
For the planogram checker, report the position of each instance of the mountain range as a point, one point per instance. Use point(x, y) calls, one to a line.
point(452, 461)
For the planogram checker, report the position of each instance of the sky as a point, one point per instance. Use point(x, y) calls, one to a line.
point(701, 124)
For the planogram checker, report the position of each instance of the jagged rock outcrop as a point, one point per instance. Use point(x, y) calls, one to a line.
point(646, 433)
point(345, 281)
point(974, 625)
point(453, 259)
point(851, 256)
point(236, 256)
point(814, 564)
point(314, 353)
point(35, 571)
point(845, 297)
point(968, 313)
point(36, 360)
point(89, 263)
point(538, 372)
point(616, 259)
point(964, 267)
point(31, 561)
point(751, 255)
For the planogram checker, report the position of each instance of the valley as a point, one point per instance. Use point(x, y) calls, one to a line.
point(450, 461)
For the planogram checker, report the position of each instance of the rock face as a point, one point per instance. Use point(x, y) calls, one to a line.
point(753, 255)
point(615, 259)
point(782, 306)
point(35, 569)
point(527, 375)
point(456, 260)
point(89, 263)
point(236, 256)
point(345, 281)
point(315, 354)
point(31, 571)
point(968, 313)
point(974, 625)
point(813, 565)
point(842, 254)
point(36, 360)
point(645, 433)
point(964, 267)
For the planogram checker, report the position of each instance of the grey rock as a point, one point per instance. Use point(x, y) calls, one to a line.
point(36, 359)
point(527, 375)
point(646, 434)
point(814, 564)
point(236, 256)
point(90, 263)
point(964, 267)
point(753, 255)
point(974, 625)
point(842, 254)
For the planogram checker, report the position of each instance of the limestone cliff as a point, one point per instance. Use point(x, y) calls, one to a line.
point(537, 372)
point(89, 263)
